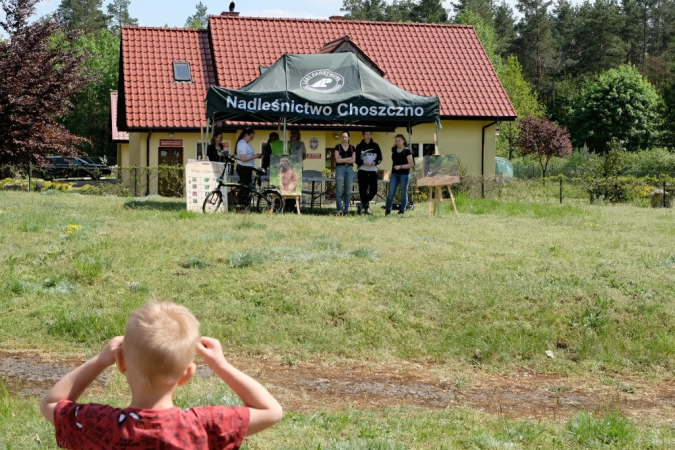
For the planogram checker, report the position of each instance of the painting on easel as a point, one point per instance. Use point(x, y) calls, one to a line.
point(436, 170)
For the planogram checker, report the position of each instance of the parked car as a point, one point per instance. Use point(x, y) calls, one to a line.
point(72, 167)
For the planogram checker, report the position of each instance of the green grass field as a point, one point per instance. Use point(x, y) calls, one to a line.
point(489, 292)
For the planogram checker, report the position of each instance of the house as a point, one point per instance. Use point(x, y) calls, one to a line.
point(119, 138)
point(165, 74)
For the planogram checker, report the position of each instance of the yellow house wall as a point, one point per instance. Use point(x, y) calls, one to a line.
point(461, 138)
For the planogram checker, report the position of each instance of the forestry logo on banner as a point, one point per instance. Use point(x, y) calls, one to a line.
point(323, 81)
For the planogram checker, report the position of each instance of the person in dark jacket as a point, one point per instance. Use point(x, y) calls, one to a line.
point(368, 156)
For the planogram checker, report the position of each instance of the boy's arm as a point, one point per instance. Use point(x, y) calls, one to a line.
point(74, 383)
point(265, 409)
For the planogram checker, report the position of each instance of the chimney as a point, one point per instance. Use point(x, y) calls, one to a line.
point(338, 18)
point(229, 13)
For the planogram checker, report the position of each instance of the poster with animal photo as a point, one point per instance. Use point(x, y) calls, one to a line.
point(436, 170)
point(286, 173)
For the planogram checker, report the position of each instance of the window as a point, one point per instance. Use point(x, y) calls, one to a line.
point(263, 69)
point(181, 71)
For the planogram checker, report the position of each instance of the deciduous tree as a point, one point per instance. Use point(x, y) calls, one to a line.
point(39, 76)
point(523, 99)
point(543, 139)
point(90, 115)
point(620, 104)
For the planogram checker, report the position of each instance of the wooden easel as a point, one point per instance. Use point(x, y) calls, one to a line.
point(292, 196)
point(436, 197)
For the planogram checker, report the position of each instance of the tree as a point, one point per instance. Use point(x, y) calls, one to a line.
point(534, 46)
point(90, 115)
point(484, 8)
point(365, 9)
point(200, 19)
point(563, 33)
point(119, 16)
point(598, 37)
point(669, 116)
point(485, 33)
point(39, 76)
point(543, 139)
point(83, 15)
point(429, 11)
point(505, 28)
point(620, 104)
point(523, 99)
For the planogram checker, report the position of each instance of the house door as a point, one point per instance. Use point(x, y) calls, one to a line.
point(330, 159)
point(170, 176)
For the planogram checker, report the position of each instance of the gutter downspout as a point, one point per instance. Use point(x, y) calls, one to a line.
point(147, 162)
point(482, 160)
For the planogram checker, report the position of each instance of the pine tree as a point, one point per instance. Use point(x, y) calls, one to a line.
point(84, 15)
point(505, 28)
point(365, 9)
point(598, 35)
point(119, 16)
point(484, 8)
point(200, 19)
point(534, 46)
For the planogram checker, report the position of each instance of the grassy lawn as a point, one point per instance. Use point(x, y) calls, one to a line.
point(490, 291)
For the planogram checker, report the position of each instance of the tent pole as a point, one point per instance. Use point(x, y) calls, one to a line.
point(410, 191)
point(285, 145)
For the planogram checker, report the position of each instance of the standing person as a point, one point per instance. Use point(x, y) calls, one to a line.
point(345, 156)
point(246, 156)
point(216, 150)
point(402, 162)
point(271, 148)
point(156, 354)
point(368, 156)
point(295, 145)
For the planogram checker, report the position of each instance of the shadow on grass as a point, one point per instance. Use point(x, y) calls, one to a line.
point(167, 205)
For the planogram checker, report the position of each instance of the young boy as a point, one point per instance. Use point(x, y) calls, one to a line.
point(156, 353)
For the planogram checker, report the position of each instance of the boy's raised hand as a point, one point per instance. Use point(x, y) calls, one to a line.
point(107, 355)
point(211, 350)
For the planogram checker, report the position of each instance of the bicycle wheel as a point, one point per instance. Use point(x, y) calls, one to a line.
point(270, 201)
point(212, 202)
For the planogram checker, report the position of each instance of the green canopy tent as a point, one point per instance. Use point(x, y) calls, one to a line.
point(335, 88)
point(321, 88)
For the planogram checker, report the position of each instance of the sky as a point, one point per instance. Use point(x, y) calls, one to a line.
point(174, 13)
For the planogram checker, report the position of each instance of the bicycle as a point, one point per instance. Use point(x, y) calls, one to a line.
point(268, 200)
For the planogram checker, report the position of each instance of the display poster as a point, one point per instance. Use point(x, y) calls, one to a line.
point(286, 173)
point(200, 180)
point(436, 170)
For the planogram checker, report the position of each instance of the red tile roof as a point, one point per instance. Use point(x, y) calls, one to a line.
point(117, 136)
point(151, 97)
point(426, 59)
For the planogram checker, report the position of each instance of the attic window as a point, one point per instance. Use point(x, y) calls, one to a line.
point(263, 69)
point(181, 71)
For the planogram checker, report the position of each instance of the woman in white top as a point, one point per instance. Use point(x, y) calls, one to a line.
point(247, 157)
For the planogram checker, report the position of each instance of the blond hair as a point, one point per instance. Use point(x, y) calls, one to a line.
point(160, 341)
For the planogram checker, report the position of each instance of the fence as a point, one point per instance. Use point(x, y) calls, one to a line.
point(169, 181)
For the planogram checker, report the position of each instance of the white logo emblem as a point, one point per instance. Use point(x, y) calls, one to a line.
point(323, 81)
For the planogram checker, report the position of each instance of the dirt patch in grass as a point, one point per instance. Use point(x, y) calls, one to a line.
point(313, 387)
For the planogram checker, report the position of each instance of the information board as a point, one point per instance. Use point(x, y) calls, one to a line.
point(200, 180)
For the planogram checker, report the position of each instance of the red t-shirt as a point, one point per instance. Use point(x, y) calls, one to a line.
point(101, 427)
